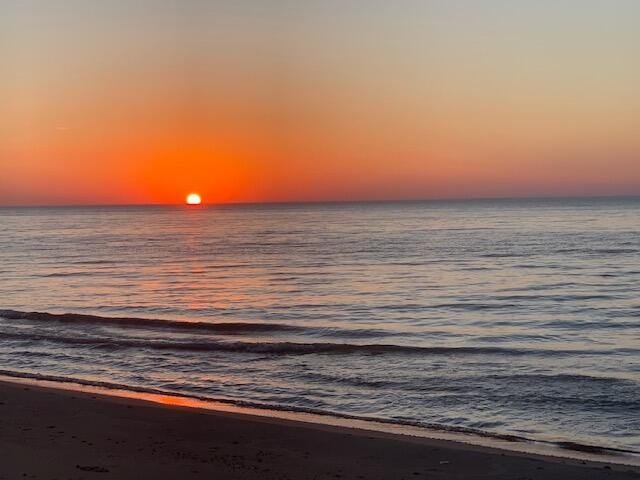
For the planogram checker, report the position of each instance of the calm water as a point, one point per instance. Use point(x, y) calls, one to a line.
point(509, 317)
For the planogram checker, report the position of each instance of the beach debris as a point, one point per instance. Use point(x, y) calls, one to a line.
point(444, 462)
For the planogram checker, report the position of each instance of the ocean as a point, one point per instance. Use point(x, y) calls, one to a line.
point(516, 318)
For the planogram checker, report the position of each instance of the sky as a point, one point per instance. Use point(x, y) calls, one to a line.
point(120, 101)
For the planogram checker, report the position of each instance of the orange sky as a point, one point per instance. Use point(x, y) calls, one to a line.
point(108, 102)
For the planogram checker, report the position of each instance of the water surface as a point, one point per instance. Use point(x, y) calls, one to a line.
point(517, 317)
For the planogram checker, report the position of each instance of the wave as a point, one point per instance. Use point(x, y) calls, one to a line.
point(464, 306)
point(290, 348)
point(588, 448)
point(221, 327)
point(67, 274)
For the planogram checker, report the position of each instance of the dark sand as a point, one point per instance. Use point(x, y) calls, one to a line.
point(55, 434)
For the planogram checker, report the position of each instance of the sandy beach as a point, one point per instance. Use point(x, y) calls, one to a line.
point(56, 434)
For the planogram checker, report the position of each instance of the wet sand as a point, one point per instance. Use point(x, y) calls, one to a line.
point(55, 434)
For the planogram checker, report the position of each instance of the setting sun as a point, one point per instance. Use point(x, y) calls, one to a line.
point(194, 199)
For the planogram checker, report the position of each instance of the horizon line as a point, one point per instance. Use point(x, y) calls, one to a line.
point(333, 201)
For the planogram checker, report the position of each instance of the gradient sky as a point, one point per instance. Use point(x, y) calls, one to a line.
point(119, 101)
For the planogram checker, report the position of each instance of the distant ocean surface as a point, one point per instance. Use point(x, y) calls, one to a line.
point(511, 317)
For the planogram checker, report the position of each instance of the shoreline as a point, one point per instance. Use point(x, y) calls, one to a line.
point(503, 442)
point(87, 399)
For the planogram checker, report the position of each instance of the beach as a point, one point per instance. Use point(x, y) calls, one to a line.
point(49, 433)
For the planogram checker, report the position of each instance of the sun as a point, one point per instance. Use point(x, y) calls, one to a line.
point(194, 199)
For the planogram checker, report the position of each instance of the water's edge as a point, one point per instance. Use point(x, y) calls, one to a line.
point(510, 443)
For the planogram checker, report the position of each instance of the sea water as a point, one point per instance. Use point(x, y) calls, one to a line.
point(501, 317)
